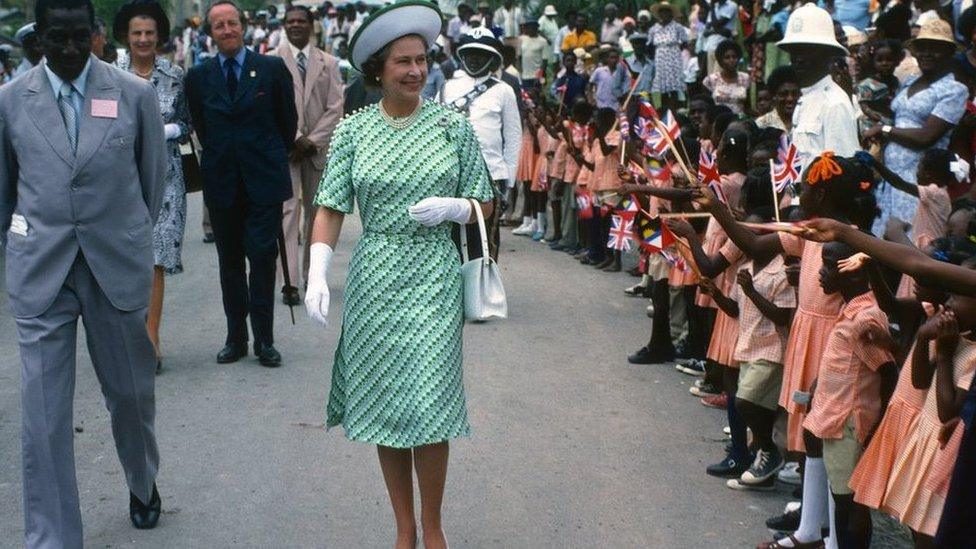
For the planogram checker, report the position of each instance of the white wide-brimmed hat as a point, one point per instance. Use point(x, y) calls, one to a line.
point(392, 22)
point(550, 11)
point(812, 26)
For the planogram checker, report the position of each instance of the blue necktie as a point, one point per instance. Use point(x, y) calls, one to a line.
point(69, 114)
point(230, 65)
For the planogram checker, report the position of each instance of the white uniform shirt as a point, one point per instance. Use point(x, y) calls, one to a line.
point(824, 120)
point(495, 117)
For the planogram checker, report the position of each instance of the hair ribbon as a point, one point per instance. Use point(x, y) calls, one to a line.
point(823, 169)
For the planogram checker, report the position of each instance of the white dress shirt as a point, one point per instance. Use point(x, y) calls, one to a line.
point(495, 117)
point(824, 120)
point(307, 50)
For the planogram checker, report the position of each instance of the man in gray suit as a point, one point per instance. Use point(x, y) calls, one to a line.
point(82, 163)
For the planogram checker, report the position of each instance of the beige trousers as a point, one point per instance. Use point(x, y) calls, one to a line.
point(297, 230)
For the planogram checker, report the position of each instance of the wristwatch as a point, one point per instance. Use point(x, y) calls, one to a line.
point(886, 129)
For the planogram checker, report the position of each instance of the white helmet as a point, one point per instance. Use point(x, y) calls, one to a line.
point(809, 24)
point(479, 38)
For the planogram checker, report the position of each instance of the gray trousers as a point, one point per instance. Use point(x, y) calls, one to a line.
point(124, 362)
point(570, 236)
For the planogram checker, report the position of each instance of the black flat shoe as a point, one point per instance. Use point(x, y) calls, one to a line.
point(267, 355)
point(231, 353)
point(145, 517)
point(612, 268)
point(290, 297)
point(208, 238)
point(647, 356)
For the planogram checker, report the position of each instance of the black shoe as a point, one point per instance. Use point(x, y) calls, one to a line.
point(612, 268)
point(208, 238)
point(789, 521)
point(159, 366)
point(145, 517)
point(646, 356)
point(267, 355)
point(729, 467)
point(232, 353)
point(603, 263)
point(290, 297)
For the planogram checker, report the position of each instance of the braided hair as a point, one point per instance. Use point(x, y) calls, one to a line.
point(845, 187)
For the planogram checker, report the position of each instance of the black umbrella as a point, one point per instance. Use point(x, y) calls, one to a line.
point(287, 289)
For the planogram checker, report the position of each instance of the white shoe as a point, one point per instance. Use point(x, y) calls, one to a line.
point(790, 473)
point(527, 228)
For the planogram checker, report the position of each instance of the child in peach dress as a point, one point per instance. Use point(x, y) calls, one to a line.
point(919, 478)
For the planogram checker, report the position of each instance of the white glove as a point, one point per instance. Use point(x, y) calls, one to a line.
point(436, 210)
point(172, 131)
point(317, 293)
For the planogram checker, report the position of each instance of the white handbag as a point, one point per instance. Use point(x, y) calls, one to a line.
point(484, 294)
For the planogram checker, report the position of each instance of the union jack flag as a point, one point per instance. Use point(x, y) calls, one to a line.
point(621, 233)
point(646, 109)
point(675, 260)
point(708, 173)
point(786, 172)
point(624, 126)
point(671, 125)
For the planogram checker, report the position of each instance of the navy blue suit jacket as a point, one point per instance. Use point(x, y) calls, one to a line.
point(245, 138)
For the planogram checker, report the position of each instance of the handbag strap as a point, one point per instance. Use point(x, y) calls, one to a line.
point(481, 228)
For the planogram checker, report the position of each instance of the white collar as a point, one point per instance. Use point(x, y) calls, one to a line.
point(822, 85)
point(307, 50)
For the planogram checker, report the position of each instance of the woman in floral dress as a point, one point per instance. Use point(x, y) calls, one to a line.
point(142, 25)
point(668, 39)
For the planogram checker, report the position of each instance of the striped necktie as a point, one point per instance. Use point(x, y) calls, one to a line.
point(69, 114)
point(302, 64)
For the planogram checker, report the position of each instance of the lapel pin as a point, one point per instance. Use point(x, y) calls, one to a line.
point(253, 74)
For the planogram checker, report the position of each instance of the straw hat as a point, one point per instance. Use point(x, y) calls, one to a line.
point(392, 22)
point(810, 25)
point(663, 5)
point(936, 30)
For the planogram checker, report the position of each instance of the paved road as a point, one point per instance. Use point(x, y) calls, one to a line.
point(572, 446)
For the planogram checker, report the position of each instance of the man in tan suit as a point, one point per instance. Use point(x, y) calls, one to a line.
point(318, 99)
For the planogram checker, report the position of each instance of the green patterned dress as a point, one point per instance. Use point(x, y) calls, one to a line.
point(396, 375)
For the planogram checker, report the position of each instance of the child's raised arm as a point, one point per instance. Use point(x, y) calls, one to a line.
point(728, 306)
point(749, 242)
point(781, 316)
point(710, 266)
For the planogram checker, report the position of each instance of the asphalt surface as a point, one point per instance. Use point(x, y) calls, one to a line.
point(571, 447)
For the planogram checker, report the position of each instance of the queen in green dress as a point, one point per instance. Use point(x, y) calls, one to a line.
point(412, 167)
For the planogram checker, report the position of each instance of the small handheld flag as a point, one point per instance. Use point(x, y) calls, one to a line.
point(621, 233)
point(708, 175)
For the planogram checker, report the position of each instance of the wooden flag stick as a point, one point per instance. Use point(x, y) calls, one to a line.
point(772, 170)
point(684, 215)
point(660, 127)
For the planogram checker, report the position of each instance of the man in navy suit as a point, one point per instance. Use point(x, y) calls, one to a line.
point(243, 109)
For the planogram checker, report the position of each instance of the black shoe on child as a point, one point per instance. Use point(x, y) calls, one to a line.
point(789, 521)
point(646, 356)
point(729, 467)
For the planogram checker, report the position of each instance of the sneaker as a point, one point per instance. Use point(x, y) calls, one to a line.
point(692, 368)
point(636, 290)
point(537, 236)
point(727, 431)
point(766, 486)
point(789, 521)
point(646, 356)
point(703, 389)
point(526, 228)
point(790, 473)
point(650, 311)
point(763, 469)
point(716, 401)
point(729, 467)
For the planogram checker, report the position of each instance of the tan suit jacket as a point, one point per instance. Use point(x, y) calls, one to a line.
point(319, 101)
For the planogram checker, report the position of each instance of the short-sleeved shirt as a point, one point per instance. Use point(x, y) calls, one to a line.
point(575, 40)
point(534, 52)
point(732, 95)
point(759, 337)
point(849, 383)
point(810, 297)
point(605, 165)
point(603, 79)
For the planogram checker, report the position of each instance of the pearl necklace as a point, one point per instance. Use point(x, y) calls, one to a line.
point(399, 123)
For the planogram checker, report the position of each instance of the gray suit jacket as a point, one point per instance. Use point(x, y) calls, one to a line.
point(102, 200)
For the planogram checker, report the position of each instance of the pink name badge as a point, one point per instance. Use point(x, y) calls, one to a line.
point(105, 108)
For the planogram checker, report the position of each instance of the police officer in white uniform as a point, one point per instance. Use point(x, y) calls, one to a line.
point(492, 108)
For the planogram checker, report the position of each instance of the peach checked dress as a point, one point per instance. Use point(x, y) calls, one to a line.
point(920, 477)
point(725, 332)
point(816, 314)
point(929, 223)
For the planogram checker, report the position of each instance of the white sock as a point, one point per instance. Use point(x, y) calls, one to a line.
point(830, 542)
point(815, 495)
